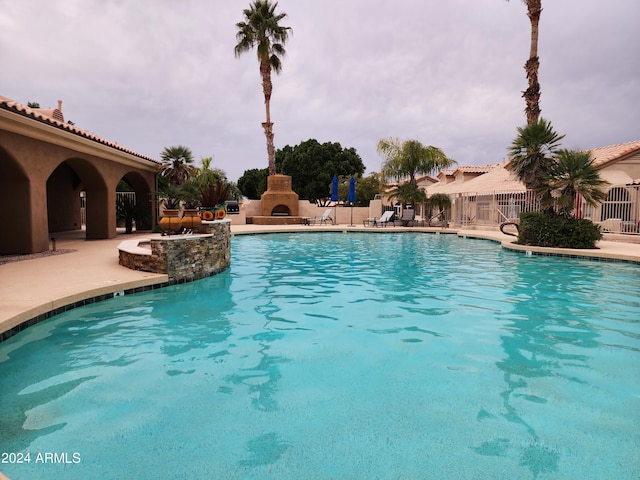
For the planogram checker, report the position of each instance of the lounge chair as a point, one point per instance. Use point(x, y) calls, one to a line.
point(611, 225)
point(326, 217)
point(408, 217)
point(385, 218)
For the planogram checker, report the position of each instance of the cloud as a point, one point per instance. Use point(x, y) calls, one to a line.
point(156, 73)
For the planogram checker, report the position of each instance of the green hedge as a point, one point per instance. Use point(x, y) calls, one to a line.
point(542, 230)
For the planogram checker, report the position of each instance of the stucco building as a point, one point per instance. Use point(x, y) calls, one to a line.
point(51, 170)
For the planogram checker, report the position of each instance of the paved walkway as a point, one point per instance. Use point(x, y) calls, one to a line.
point(30, 288)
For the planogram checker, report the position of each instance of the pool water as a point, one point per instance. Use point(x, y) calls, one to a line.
point(339, 356)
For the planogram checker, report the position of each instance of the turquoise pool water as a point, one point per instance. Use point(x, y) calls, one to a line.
point(339, 356)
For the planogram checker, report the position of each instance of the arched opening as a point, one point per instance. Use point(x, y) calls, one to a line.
point(64, 188)
point(134, 203)
point(617, 204)
point(280, 210)
point(15, 195)
point(77, 196)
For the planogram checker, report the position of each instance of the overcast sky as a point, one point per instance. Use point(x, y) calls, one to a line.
point(148, 74)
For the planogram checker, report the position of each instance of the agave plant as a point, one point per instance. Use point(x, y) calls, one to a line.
point(214, 194)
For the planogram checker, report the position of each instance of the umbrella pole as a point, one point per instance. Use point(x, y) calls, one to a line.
point(352, 225)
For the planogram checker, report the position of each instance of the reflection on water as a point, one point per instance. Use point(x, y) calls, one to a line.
point(342, 356)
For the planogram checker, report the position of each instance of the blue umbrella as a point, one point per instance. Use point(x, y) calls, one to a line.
point(334, 196)
point(352, 190)
point(351, 198)
point(334, 189)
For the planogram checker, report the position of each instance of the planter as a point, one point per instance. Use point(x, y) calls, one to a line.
point(170, 221)
point(209, 214)
point(191, 219)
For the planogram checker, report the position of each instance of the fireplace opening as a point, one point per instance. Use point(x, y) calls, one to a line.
point(280, 211)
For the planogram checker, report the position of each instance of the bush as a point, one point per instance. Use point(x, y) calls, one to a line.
point(543, 230)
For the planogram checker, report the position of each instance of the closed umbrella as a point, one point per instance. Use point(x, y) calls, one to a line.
point(351, 198)
point(334, 196)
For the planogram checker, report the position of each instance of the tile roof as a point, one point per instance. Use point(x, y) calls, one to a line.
point(604, 155)
point(474, 168)
point(497, 179)
point(43, 116)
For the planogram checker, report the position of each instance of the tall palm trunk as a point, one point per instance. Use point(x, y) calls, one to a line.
point(532, 93)
point(267, 87)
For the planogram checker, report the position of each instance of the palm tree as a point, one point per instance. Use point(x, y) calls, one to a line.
point(439, 201)
point(408, 158)
point(261, 29)
point(207, 175)
point(532, 155)
point(573, 173)
point(532, 93)
point(408, 194)
point(177, 164)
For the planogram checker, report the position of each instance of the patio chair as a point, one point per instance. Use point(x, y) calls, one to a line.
point(385, 218)
point(408, 217)
point(613, 225)
point(322, 220)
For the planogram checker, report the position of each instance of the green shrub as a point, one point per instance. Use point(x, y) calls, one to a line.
point(543, 230)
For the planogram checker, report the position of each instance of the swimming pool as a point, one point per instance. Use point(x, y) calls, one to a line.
point(339, 355)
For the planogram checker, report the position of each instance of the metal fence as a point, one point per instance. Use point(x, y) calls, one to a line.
point(83, 203)
point(619, 213)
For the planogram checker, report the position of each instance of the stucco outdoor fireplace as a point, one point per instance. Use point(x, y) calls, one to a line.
point(279, 204)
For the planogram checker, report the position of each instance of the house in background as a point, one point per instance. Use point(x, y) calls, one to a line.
point(45, 166)
point(491, 194)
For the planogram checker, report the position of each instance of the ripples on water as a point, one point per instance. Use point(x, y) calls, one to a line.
point(341, 356)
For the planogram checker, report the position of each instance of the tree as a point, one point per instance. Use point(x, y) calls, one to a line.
point(312, 166)
point(33, 105)
point(409, 158)
point(532, 93)
point(408, 194)
point(532, 155)
point(261, 29)
point(366, 189)
point(573, 173)
point(439, 202)
point(253, 182)
point(177, 164)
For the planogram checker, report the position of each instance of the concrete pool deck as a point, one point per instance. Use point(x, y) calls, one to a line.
point(34, 289)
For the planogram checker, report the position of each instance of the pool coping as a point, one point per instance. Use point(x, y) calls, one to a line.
point(86, 295)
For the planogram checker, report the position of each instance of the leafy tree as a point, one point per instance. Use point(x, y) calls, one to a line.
point(207, 175)
point(409, 158)
point(177, 164)
point(312, 166)
point(573, 173)
point(123, 186)
point(367, 188)
point(532, 155)
point(408, 194)
point(532, 93)
point(253, 182)
point(261, 29)
point(33, 105)
point(439, 202)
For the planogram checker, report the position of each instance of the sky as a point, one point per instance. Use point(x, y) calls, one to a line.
point(149, 74)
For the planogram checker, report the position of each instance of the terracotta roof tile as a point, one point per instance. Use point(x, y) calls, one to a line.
point(604, 155)
point(474, 168)
point(498, 179)
point(42, 116)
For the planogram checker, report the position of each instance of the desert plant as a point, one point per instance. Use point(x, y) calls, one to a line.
point(214, 194)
